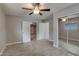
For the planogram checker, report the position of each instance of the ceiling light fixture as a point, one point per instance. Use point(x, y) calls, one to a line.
point(36, 10)
point(63, 19)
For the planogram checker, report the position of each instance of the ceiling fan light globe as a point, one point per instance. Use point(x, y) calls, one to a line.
point(64, 19)
point(36, 11)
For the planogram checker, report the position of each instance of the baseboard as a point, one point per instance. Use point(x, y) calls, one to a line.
point(12, 43)
point(2, 50)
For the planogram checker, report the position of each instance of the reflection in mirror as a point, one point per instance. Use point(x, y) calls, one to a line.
point(69, 33)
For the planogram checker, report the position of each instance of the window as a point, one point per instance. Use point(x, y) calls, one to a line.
point(71, 26)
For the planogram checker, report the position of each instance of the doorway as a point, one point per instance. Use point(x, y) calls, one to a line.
point(33, 31)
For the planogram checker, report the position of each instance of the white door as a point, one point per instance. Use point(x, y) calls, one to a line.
point(43, 30)
point(26, 31)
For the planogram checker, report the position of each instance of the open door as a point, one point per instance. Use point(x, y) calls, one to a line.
point(33, 31)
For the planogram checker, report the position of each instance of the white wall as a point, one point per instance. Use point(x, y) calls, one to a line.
point(65, 12)
point(2, 30)
point(26, 31)
point(13, 26)
point(51, 28)
point(55, 31)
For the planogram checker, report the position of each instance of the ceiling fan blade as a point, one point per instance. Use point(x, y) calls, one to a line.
point(44, 9)
point(27, 8)
point(41, 14)
point(30, 13)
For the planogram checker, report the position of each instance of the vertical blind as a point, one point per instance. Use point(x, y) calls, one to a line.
point(71, 26)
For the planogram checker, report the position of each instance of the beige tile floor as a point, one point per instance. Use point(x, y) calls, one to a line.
point(35, 48)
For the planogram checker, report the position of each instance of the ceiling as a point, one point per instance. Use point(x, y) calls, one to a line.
point(15, 9)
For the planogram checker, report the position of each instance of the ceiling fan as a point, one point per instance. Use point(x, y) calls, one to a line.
point(36, 9)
